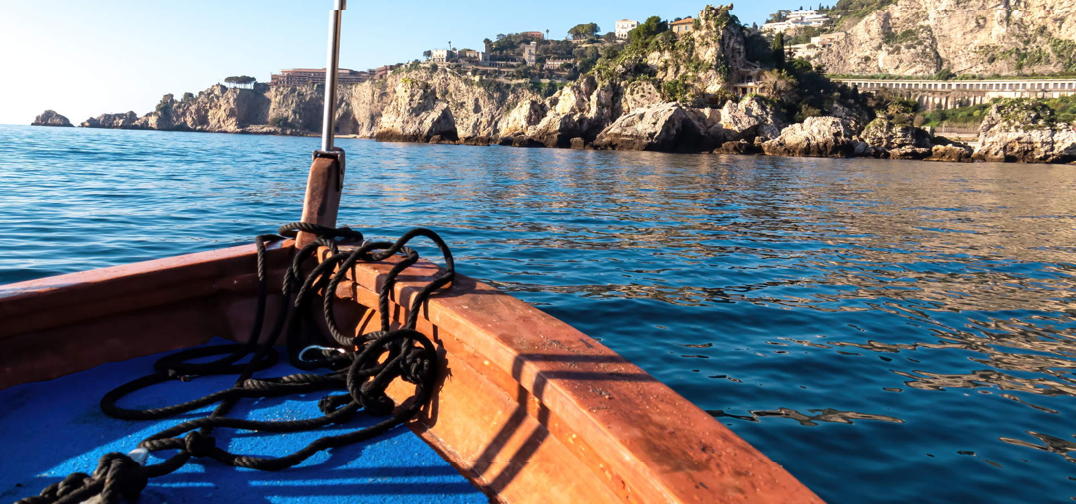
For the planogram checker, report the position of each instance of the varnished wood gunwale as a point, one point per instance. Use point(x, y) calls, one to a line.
point(530, 409)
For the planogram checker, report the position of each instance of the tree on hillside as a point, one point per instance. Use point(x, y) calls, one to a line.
point(777, 17)
point(243, 81)
point(586, 57)
point(584, 31)
point(647, 30)
point(778, 47)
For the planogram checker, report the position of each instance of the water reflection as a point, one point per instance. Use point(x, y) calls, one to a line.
point(910, 314)
point(823, 415)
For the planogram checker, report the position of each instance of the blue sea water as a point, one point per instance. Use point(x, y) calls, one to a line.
point(888, 331)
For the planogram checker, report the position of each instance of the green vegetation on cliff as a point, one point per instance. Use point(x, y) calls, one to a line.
point(674, 64)
point(1053, 110)
point(856, 9)
point(802, 91)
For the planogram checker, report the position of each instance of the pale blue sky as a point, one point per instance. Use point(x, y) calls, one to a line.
point(87, 57)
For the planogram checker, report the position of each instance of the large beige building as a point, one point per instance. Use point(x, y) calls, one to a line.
point(303, 76)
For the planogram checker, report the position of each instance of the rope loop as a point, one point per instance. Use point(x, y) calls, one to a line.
point(197, 444)
point(122, 477)
point(358, 369)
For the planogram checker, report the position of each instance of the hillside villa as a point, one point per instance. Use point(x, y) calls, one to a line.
point(682, 26)
point(797, 19)
point(624, 26)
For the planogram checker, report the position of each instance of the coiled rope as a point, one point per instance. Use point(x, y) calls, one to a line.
point(359, 370)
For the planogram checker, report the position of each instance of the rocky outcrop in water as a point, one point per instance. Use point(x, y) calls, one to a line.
point(127, 120)
point(736, 127)
point(985, 37)
point(897, 141)
point(952, 152)
point(1025, 131)
point(817, 137)
point(667, 127)
point(51, 118)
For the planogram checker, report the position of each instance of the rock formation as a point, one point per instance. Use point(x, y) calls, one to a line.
point(817, 137)
point(1025, 131)
point(985, 37)
point(51, 118)
point(667, 127)
point(897, 141)
point(128, 120)
point(671, 127)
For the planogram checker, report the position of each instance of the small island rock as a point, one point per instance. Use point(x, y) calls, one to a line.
point(51, 118)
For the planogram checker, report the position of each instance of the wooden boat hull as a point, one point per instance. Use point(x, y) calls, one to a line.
point(529, 408)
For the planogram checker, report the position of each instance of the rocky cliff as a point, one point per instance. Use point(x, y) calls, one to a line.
point(424, 104)
point(51, 118)
point(983, 37)
point(661, 91)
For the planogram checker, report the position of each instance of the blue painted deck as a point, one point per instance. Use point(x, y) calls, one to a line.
point(50, 429)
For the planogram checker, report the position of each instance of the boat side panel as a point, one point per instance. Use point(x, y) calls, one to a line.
point(60, 325)
point(649, 443)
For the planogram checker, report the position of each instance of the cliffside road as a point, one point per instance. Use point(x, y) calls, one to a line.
point(935, 94)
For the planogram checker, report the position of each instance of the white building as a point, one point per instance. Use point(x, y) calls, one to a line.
point(624, 26)
point(797, 19)
point(812, 48)
point(442, 55)
point(530, 53)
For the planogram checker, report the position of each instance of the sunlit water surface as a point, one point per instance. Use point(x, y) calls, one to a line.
point(888, 331)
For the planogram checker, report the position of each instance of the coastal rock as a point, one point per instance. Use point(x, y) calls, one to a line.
point(581, 109)
point(51, 118)
point(738, 147)
point(1025, 131)
point(894, 140)
point(297, 109)
point(523, 116)
point(817, 137)
point(128, 120)
point(415, 114)
point(639, 94)
point(887, 134)
point(218, 108)
point(749, 118)
point(951, 152)
point(667, 127)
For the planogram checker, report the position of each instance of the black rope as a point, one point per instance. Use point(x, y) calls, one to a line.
point(359, 369)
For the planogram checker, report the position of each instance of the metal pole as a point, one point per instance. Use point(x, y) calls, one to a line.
point(332, 68)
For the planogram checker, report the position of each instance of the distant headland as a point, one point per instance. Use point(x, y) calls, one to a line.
point(861, 78)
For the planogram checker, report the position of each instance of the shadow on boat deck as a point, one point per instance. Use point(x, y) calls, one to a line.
point(56, 428)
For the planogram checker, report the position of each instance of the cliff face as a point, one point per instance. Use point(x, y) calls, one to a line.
point(420, 104)
point(986, 37)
